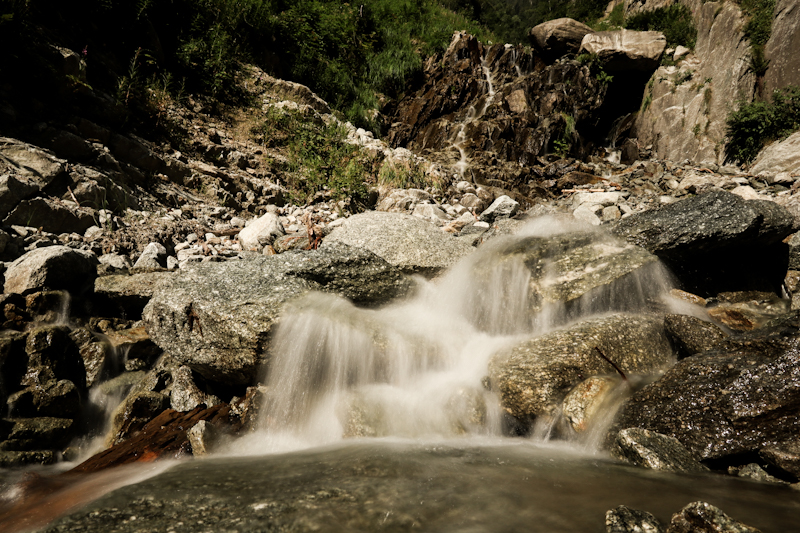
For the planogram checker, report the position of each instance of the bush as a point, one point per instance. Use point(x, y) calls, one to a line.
point(754, 125)
point(674, 21)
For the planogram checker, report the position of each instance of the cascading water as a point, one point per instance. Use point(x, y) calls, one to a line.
point(460, 139)
point(418, 368)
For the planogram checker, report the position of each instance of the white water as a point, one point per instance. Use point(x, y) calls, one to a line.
point(460, 139)
point(415, 369)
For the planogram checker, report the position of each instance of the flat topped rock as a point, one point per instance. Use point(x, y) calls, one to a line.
point(626, 50)
point(555, 38)
point(216, 318)
point(53, 267)
point(404, 241)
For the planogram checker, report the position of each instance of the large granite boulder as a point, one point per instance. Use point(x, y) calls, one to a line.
point(555, 38)
point(52, 267)
point(216, 318)
point(782, 156)
point(735, 400)
point(534, 376)
point(404, 241)
point(625, 50)
point(51, 215)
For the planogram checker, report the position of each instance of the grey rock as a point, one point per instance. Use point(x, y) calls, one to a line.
point(785, 455)
point(51, 215)
point(53, 267)
point(781, 156)
point(154, 255)
point(710, 221)
point(29, 162)
point(93, 351)
point(784, 37)
point(655, 451)
point(216, 318)
point(202, 436)
point(261, 232)
point(502, 207)
point(42, 433)
point(557, 37)
point(626, 50)
point(623, 519)
point(701, 517)
point(115, 261)
point(185, 394)
point(52, 355)
point(129, 294)
point(690, 335)
point(404, 241)
point(14, 189)
point(534, 376)
point(755, 472)
point(723, 402)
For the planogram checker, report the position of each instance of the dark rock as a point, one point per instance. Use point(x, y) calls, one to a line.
point(133, 414)
point(54, 268)
point(51, 215)
point(217, 318)
point(53, 355)
point(623, 519)
point(29, 434)
point(557, 37)
point(13, 362)
point(724, 402)
point(690, 335)
point(17, 459)
point(14, 189)
point(59, 399)
point(186, 395)
point(755, 472)
point(94, 352)
point(48, 306)
point(653, 450)
point(784, 455)
point(134, 343)
point(29, 162)
point(126, 295)
point(701, 517)
point(533, 377)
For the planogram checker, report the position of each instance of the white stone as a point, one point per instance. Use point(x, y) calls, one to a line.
point(154, 255)
point(261, 232)
point(603, 199)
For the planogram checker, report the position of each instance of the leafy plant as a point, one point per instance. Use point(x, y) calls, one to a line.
point(750, 128)
point(563, 145)
point(674, 21)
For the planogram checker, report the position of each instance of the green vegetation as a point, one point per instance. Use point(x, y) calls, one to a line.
point(595, 67)
point(755, 124)
point(674, 21)
point(758, 29)
point(319, 157)
point(563, 145)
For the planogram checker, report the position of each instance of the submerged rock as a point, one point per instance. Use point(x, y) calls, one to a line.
point(217, 318)
point(534, 376)
point(654, 450)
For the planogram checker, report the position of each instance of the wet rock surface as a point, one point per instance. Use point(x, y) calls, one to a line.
point(653, 450)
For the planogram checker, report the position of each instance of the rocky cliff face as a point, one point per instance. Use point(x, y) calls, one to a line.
point(489, 112)
point(781, 50)
point(685, 106)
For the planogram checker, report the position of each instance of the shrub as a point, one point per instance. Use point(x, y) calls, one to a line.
point(755, 124)
point(674, 21)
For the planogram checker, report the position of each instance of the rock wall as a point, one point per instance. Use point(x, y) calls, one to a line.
point(685, 106)
point(781, 50)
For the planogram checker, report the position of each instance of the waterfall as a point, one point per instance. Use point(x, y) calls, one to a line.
point(460, 139)
point(417, 369)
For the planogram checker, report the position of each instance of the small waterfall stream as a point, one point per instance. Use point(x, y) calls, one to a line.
point(417, 369)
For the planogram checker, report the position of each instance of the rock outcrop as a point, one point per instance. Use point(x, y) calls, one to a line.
point(784, 68)
point(558, 37)
point(626, 50)
point(780, 156)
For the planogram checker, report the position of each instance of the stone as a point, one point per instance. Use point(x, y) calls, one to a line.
point(185, 394)
point(691, 336)
point(29, 162)
point(586, 400)
point(202, 436)
point(404, 241)
point(261, 232)
point(502, 207)
point(18, 459)
point(680, 52)
point(687, 119)
point(51, 215)
point(42, 433)
point(626, 50)
point(216, 318)
point(780, 156)
point(133, 343)
point(655, 451)
point(14, 189)
point(154, 255)
point(557, 37)
point(93, 351)
point(431, 213)
point(701, 517)
point(533, 377)
point(126, 295)
point(784, 455)
point(623, 519)
point(114, 261)
point(728, 401)
point(784, 37)
point(755, 472)
point(52, 355)
point(60, 399)
point(133, 414)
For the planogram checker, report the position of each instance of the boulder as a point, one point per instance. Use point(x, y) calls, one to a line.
point(623, 519)
point(534, 376)
point(690, 335)
point(52, 355)
point(701, 517)
point(557, 37)
point(626, 50)
point(261, 232)
point(153, 256)
point(52, 267)
point(784, 38)
point(29, 162)
point(655, 451)
point(94, 352)
point(14, 189)
point(404, 241)
point(216, 318)
point(725, 402)
point(60, 399)
point(781, 156)
point(587, 399)
point(43, 433)
point(51, 215)
point(133, 414)
point(126, 295)
point(186, 395)
point(502, 207)
point(784, 455)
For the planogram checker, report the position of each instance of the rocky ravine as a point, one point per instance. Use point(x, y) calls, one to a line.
point(137, 272)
